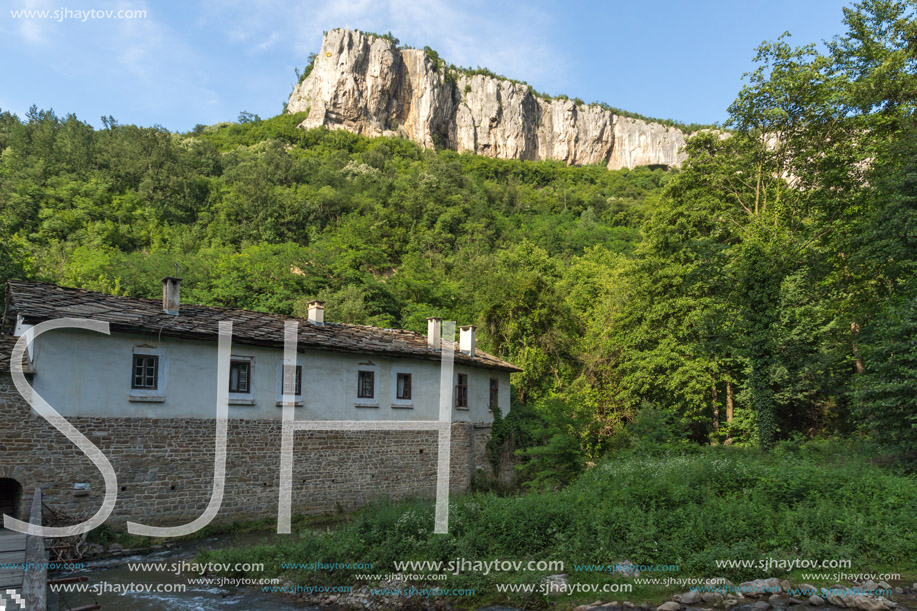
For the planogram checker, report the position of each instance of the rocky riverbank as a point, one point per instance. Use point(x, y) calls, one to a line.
point(779, 594)
point(758, 595)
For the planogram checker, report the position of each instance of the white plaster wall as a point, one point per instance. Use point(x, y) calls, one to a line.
point(82, 373)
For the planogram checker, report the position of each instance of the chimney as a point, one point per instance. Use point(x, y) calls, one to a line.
point(317, 312)
point(434, 331)
point(467, 337)
point(170, 295)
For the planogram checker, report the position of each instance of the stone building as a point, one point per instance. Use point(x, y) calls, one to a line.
point(145, 395)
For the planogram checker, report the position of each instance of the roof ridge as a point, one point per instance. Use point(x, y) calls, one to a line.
point(37, 301)
point(156, 302)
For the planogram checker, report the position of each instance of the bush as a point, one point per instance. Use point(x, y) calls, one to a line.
point(816, 499)
point(886, 393)
point(550, 446)
point(654, 432)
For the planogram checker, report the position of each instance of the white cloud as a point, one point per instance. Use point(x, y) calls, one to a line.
point(213, 58)
point(143, 61)
point(269, 42)
point(465, 33)
point(33, 31)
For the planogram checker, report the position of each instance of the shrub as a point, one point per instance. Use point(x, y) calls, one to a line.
point(886, 393)
point(816, 499)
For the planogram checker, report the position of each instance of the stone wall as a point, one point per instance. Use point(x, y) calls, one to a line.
point(165, 466)
point(480, 436)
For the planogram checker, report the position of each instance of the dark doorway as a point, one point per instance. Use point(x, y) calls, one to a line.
point(10, 497)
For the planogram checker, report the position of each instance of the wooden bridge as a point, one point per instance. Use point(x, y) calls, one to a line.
point(27, 552)
point(26, 572)
point(12, 551)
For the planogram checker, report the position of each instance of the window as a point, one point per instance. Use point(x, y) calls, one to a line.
point(403, 387)
point(240, 375)
point(367, 394)
point(149, 374)
point(145, 371)
point(461, 390)
point(494, 392)
point(292, 382)
point(288, 385)
point(366, 381)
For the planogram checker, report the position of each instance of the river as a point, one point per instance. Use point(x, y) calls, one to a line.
point(110, 575)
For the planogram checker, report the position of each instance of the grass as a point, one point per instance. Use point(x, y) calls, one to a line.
point(825, 499)
point(106, 535)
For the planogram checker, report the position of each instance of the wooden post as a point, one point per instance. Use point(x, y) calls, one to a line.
point(35, 579)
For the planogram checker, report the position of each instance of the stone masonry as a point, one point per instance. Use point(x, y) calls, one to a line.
point(165, 466)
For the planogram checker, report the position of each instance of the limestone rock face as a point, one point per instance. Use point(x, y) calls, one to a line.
point(366, 85)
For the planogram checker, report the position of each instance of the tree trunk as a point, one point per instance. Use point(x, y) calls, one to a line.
point(761, 276)
point(729, 403)
point(857, 357)
point(716, 408)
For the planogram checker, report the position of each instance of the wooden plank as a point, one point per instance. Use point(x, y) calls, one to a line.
point(13, 542)
point(12, 557)
point(10, 578)
point(12, 550)
point(35, 580)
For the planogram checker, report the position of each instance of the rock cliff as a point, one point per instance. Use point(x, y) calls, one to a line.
point(366, 85)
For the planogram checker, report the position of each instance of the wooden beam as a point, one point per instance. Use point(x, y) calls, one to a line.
point(35, 580)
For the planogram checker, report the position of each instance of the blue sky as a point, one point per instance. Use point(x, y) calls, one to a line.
point(204, 61)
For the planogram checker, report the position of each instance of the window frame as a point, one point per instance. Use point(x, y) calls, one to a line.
point(398, 386)
point(149, 394)
point(134, 363)
point(297, 380)
point(361, 387)
point(494, 394)
point(240, 397)
point(366, 368)
point(299, 377)
point(238, 361)
point(402, 369)
point(461, 391)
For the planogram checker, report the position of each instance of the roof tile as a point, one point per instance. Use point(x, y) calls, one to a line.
point(37, 302)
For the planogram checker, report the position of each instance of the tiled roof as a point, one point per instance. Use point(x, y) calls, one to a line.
point(6, 348)
point(37, 302)
point(6, 351)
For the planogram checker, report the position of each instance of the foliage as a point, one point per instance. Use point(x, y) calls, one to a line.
point(818, 499)
point(764, 261)
point(435, 59)
point(554, 455)
point(453, 70)
point(885, 392)
point(264, 215)
point(762, 291)
point(387, 36)
point(301, 76)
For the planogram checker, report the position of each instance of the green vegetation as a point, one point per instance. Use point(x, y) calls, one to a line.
point(301, 76)
point(763, 291)
point(105, 535)
point(387, 36)
point(435, 59)
point(684, 335)
point(822, 499)
point(452, 71)
point(264, 215)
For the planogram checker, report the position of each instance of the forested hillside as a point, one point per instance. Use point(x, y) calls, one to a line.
point(766, 290)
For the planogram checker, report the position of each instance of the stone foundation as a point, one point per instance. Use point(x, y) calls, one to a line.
point(165, 466)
